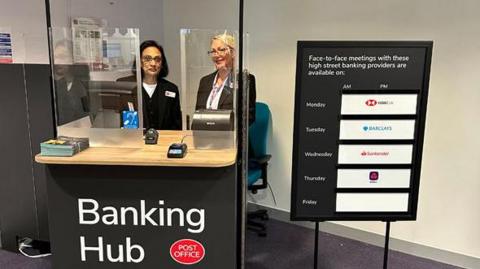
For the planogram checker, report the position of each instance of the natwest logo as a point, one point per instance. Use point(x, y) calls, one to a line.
point(374, 153)
point(371, 102)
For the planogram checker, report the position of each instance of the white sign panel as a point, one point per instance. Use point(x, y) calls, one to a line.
point(379, 104)
point(373, 178)
point(375, 154)
point(372, 202)
point(376, 129)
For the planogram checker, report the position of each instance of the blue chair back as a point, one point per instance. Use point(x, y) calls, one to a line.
point(257, 133)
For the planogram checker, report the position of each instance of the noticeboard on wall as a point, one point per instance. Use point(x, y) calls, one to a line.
point(359, 125)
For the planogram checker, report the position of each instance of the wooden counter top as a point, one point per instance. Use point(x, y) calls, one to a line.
point(149, 155)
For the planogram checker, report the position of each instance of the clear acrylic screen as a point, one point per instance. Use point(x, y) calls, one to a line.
point(95, 83)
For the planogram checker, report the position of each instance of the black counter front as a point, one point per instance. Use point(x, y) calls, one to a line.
point(134, 216)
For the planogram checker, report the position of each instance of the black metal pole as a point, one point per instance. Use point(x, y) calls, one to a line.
point(50, 58)
point(315, 254)
point(387, 241)
point(242, 142)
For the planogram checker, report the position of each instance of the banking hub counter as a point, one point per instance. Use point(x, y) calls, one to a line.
point(138, 208)
point(124, 203)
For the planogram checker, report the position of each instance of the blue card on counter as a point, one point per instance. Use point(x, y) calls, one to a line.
point(130, 119)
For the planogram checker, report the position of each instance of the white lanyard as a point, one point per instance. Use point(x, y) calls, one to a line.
point(216, 92)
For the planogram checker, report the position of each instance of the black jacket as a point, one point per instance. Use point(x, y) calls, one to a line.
point(226, 99)
point(169, 112)
point(71, 104)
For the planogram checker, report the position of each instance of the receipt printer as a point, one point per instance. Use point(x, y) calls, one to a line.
point(213, 120)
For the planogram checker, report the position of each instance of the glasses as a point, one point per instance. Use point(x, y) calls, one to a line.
point(219, 52)
point(148, 59)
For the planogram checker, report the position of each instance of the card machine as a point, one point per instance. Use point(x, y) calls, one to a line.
point(151, 137)
point(177, 150)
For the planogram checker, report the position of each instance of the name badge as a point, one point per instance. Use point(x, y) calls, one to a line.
point(170, 94)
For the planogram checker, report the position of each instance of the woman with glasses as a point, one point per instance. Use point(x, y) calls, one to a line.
point(215, 90)
point(161, 100)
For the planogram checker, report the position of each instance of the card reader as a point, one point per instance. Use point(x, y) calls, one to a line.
point(177, 150)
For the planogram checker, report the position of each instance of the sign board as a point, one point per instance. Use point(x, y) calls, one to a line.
point(358, 133)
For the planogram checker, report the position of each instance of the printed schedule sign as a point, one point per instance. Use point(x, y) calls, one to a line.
point(358, 133)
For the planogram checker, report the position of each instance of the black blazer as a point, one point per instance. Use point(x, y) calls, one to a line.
point(72, 104)
point(226, 99)
point(170, 114)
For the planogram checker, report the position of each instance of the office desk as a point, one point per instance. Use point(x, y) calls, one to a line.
point(126, 208)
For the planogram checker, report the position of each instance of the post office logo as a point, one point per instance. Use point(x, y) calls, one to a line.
point(187, 251)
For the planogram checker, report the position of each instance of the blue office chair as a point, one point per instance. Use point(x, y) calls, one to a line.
point(257, 164)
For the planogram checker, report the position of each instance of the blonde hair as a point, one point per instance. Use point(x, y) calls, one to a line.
point(227, 39)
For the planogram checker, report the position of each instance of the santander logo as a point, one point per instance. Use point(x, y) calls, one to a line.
point(371, 102)
point(374, 153)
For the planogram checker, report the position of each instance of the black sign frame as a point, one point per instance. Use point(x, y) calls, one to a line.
point(420, 119)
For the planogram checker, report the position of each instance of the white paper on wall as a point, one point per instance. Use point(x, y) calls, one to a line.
point(6, 47)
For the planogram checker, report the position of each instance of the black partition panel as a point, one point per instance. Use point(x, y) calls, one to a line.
point(26, 121)
point(358, 133)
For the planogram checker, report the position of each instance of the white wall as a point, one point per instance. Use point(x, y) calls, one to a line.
point(194, 14)
point(449, 201)
point(26, 20)
point(145, 14)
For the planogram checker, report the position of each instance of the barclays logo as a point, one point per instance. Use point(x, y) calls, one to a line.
point(378, 128)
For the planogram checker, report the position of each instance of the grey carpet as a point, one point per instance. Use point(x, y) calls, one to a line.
point(9, 260)
point(288, 246)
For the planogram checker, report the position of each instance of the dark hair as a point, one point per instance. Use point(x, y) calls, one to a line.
point(164, 68)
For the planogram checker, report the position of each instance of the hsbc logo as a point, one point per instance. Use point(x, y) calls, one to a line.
point(373, 102)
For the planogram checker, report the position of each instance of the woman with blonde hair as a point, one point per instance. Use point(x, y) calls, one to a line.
point(215, 90)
